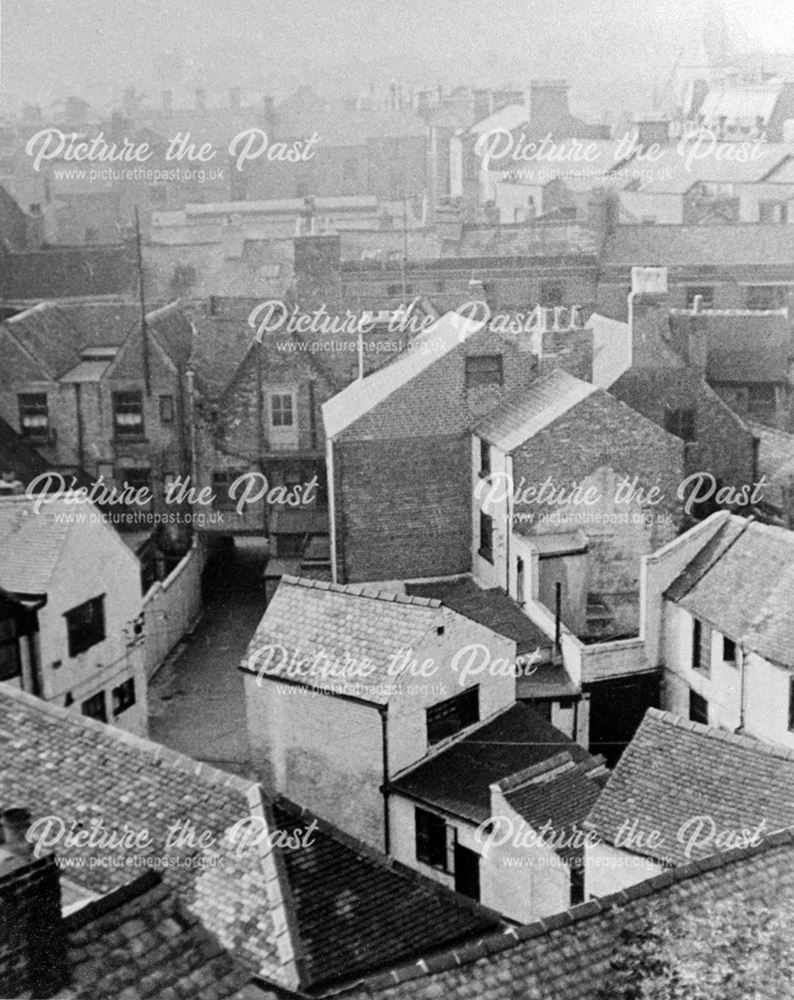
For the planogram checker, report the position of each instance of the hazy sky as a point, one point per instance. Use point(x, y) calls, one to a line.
point(96, 48)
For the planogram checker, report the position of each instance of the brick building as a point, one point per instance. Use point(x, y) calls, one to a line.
point(96, 392)
point(658, 364)
point(398, 452)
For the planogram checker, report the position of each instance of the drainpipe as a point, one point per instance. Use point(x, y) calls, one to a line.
point(80, 430)
point(384, 722)
point(329, 465)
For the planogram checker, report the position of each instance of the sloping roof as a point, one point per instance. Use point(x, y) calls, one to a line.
point(537, 406)
point(559, 792)
point(568, 956)
point(674, 771)
point(680, 246)
point(673, 174)
point(457, 779)
point(138, 942)
point(741, 584)
point(746, 346)
point(355, 916)
point(345, 639)
point(31, 543)
point(741, 103)
point(348, 406)
point(492, 608)
point(263, 907)
point(56, 332)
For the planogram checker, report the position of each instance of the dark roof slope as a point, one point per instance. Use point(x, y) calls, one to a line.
point(458, 779)
point(137, 942)
point(568, 956)
point(18, 457)
point(741, 584)
point(358, 910)
point(674, 771)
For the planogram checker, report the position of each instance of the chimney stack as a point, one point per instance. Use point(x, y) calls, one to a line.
point(649, 316)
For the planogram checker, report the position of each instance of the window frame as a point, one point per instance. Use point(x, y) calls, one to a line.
point(99, 633)
point(274, 396)
point(437, 856)
point(100, 715)
point(486, 527)
point(10, 641)
point(167, 409)
point(701, 647)
point(122, 697)
point(485, 459)
point(29, 409)
point(698, 709)
point(472, 379)
point(439, 713)
point(128, 398)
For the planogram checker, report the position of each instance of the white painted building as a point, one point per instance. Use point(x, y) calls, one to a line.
point(76, 638)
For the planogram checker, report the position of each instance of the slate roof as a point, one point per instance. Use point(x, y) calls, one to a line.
point(741, 584)
point(457, 779)
point(681, 245)
point(540, 404)
point(745, 346)
point(558, 791)
point(273, 910)
point(137, 942)
point(355, 916)
point(492, 608)
point(312, 627)
point(568, 956)
point(31, 543)
point(674, 771)
point(56, 332)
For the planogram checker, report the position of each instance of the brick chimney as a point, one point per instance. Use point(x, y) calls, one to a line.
point(649, 317)
point(32, 940)
point(548, 102)
point(652, 129)
point(560, 340)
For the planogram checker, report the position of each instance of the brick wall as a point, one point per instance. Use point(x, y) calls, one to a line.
point(32, 952)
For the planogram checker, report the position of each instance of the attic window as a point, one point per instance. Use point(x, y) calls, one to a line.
point(128, 414)
point(34, 419)
point(483, 370)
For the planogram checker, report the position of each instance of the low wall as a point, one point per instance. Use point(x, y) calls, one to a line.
point(171, 605)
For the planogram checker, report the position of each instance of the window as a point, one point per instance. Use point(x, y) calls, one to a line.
point(766, 296)
point(9, 650)
point(698, 708)
point(485, 459)
point(486, 536)
point(552, 293)
point(681, 423)
point(94, 707)
point(701, 646)
point(34, 419)
point(398, 289)
point(432, 839)
point(483, 369)
point(166, 409)
point(85, 625)
point(772, 211)
point(128, 414)
point(577, 879)
point(728, 650)
point(450, 716)
point(136, 479)
point(123, 697)
point(281, 409)
point(706, 293)
point(221, 484)
point(289, 546)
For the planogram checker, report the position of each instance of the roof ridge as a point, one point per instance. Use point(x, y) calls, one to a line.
point(158, 753)
point(358, 590)
point(712, 732)
point(717, 557)
point(556, 762)
point(456, 957)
